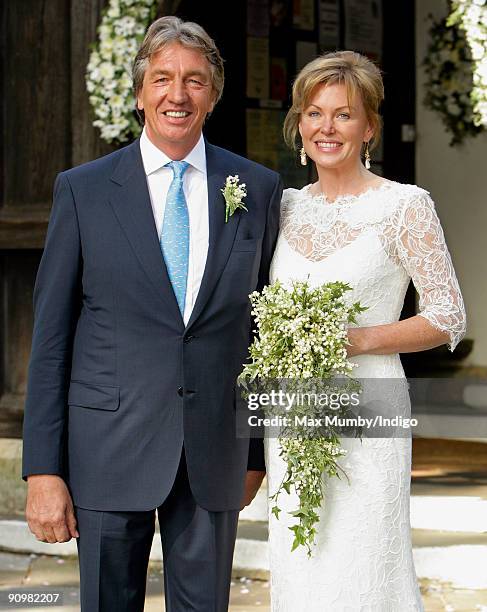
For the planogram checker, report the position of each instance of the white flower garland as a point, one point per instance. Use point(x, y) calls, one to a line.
point(449, 70)
point(471, 16)
point(109, 70)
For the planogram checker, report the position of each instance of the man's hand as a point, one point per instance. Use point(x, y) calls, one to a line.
point(253, 481)
point(49, 509)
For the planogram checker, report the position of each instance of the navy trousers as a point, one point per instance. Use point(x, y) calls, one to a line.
point(197, 547)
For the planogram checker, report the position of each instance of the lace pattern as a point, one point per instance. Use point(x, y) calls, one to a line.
point(404, 219)
point(377, 242)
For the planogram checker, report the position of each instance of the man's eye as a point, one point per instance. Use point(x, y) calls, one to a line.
point(161, 80)
point(195, 82)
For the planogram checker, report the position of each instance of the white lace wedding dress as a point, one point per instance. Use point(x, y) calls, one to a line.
point(377, 242)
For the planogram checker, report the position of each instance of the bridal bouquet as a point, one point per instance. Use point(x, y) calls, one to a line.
point(302, 338)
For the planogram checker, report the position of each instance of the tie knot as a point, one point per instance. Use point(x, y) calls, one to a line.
point(178, 168)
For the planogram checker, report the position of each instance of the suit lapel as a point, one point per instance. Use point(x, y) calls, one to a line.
point(221, 234)
point(132, 207)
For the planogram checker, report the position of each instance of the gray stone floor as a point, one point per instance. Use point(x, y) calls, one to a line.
point(27, 573)
point(449, 523)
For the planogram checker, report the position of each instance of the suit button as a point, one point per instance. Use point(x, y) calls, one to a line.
point(188, 339)
point(180, 391)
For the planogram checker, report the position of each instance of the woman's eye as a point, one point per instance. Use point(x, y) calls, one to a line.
point(344, 115)
point(313, 114)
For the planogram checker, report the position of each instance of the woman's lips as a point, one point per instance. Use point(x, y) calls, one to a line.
point(328, 146)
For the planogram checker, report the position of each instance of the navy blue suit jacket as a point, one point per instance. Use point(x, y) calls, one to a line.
point(117, 382)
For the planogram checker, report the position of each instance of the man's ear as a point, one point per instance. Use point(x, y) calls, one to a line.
point(140, 104)
point(213, 102)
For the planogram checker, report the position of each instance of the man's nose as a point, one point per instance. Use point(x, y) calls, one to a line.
point(177, 92)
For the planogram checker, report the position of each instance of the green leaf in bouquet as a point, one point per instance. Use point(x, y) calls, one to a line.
point(301, 335)
point(275, 511)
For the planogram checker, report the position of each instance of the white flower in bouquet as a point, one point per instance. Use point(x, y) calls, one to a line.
point(302, 336)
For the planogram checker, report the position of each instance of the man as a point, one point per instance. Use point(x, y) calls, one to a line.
point(142, 323)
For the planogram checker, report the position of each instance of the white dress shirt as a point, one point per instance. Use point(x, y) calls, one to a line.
point(195, 189)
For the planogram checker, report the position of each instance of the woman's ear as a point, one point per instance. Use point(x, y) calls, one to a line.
point(369, 133)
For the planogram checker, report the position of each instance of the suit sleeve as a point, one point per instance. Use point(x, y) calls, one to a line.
point(256, 445)
point(57, 301)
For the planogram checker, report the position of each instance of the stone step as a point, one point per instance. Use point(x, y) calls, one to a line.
point(433, 506)
point(449, 528)
point(12, 488)
point(456, 557)
point(449, 513)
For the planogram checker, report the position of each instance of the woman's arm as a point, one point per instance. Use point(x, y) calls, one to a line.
point(408, 336)
point(420, 247)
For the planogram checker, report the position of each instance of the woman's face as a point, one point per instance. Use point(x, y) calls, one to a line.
point(332, 130)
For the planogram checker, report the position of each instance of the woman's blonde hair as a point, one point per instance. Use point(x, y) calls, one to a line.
point(361, 77)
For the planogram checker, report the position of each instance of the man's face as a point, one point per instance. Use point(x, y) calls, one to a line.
point(176, 95)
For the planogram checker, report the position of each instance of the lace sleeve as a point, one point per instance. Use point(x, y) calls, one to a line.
point(423, 253)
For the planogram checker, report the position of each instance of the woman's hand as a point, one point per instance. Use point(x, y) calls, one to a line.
point(357, 338)
point(407, 336)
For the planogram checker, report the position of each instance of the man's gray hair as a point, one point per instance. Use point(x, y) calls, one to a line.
point(167, 30)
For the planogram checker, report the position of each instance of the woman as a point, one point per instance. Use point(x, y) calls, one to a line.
point(375, 234)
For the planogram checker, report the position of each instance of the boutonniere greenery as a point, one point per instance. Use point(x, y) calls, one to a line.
point(233, 194)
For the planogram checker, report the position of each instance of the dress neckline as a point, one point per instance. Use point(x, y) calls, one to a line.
point(347, 198)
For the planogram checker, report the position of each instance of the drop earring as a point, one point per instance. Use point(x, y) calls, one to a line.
point(367, 156)
point(302, 157)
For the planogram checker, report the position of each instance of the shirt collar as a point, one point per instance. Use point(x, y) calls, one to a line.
point(153, 158)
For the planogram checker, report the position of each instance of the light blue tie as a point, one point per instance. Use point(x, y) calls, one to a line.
point(175, 233)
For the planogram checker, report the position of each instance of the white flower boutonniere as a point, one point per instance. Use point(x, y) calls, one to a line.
point(233, 194)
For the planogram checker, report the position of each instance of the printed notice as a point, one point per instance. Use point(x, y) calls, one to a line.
point(257, 67)
point(304, 14)
point(258, 18)
point(278, 78)
point(265, 145)
point(329, 24)
point(363, 27)
point(263, 136)
point(305, 52)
